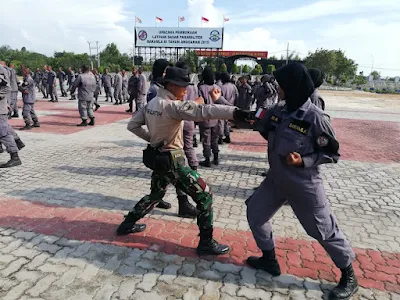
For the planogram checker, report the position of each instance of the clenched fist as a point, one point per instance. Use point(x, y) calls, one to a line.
point(294, 159)
point(215, 94)
point(199, 100)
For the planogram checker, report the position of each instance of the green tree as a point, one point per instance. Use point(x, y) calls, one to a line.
point(273, 57)
point(235, 69)
point(270, 69)
point(359, 80)
point(213, 67)
point(223, 68)
point(375, 74)
point(246, 69)
point(333, 63)
point(257, 70)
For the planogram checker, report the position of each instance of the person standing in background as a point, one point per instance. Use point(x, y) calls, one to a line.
point(142, 90)
point(51, 83)
point(14, 91)
point(230, 93)
point(27, 88)
point(125, 95)
point(97, 89)
point(61, 78)
point(133, 85)
point(45, 88)
point(117, 84)
point(106, 82)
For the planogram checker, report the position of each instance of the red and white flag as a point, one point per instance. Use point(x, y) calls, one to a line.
point(159, 20)
point(137, 20)
point(181, 19)
point(204, 19)
point(226, 19)
point(260, 113)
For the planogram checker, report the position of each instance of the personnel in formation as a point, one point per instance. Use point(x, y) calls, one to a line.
point(51, 83)
point(27, 88)
point(125, 95)
point(142, 90)
point(106, 82)
point(14, 91)
point(86, 84)
point(265, 94)
point(230, 93)
point(38, 79)
point(117, 84)
point(70, 81)
point(97, 89)
point(300, 139)
point(244, 99)
point(133, 85)
point(318, 78)
point(45, 87)
point(164, 155)
point(61, 78)
point(8, 137)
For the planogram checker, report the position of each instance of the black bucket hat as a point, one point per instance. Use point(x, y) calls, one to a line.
point(177, 76)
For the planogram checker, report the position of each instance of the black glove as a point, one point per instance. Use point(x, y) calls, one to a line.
point(242, 118)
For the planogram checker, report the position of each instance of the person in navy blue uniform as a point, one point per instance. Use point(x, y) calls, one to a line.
point(300, 139)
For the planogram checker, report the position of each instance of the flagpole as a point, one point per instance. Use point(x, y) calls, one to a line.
point(134, 46)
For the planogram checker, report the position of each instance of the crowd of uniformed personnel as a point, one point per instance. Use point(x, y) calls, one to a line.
point(290, 116)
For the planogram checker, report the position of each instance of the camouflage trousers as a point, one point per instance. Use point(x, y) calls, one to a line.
point(187, 182)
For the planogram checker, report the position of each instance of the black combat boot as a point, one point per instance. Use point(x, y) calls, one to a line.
point(129, 225)
point(83, 123)
point(220, 141)
point(36, 124)
point(216, 159)
point(347, 286)
point(116, 103)
point(227, 140)
point(267, 262)
point(26, 127)
point(13, 162)
point(129, 110)
point(91, 123)
point(15, 116)
point(20, 144)
point(205, 163)
point(97, 106)
point(186, 209)
point(164, 205)
point(195, 145)
point(209, 246)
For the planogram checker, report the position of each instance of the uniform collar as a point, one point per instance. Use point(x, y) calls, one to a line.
point(301, 111)
point(164, 94)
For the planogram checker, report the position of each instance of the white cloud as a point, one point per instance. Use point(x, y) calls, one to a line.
point(325, 8)
point(48, 26)
point(204, 8)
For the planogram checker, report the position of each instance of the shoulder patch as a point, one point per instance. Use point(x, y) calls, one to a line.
point(187, 106)
point(322, 141)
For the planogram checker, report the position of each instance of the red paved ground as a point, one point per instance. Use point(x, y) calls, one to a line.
point(379, 270)
point(64, 122)
point(361, 140)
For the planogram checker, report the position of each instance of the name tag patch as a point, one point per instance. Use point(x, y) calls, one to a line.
point(299, 126)
point(275, 119)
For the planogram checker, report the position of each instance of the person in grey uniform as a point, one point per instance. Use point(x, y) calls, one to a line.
point(38, 79)
point(117, 84)
point(265, 96)
point(244, 99)
point(125, 95)
point(192, 93)
point(318, 78)
point(209, 128)
point(255, 88)
point(14, 91)
point(70, 81)
point(164, 155)
point(27, 88)
point(8, 137)
point(86, 84)
point(61, 78)
point(300, 139)
point(157, 75)
point(45, 88)
point(230, 93)
point(51, 83)
point(106, 82)
point(142, 90)
point(133, 84)
point(97, 90)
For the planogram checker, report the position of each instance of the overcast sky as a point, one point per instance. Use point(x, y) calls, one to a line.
point(368, 30)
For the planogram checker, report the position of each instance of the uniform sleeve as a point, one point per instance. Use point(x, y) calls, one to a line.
point(75, 84)
point(326, 146)
point(191, 111)
point(263, 125)
point(135, 125)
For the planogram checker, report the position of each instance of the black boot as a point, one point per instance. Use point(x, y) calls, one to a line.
point(186, 209)
point(205, 163)
point(83, 123)
point(116, 103)
point(13, 162)
point(164, 205)
point(267, 262)
point(15, 116)
point(20, 144)
point(195, 145)
point(129, 110)
point(220, 141)
point(209, 246)
point(227, 140)
point(216, 159)
point(129, 225)
point(36, 124)
point(26, 127)
point(91, 123)
point(97, 106)
point(347, 286)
